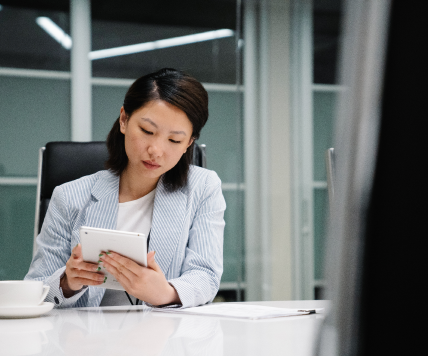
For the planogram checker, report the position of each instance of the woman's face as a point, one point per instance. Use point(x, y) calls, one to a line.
point(156, 136)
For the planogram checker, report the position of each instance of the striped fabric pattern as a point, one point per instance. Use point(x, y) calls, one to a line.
point(187, 234)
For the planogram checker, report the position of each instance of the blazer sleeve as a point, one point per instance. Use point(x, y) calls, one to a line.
point(203, 263)
point(54, 250)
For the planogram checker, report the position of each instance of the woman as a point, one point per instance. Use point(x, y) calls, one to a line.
point(149, 187)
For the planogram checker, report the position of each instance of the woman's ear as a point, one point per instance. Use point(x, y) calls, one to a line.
point(123, 120)
point(190, 142)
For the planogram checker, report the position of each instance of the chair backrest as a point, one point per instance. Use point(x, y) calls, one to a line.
point(62, 162)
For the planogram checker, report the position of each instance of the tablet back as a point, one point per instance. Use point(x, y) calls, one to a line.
point(129, 244)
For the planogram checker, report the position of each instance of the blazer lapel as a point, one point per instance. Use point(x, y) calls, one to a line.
point(102, 211)
point(167, 223)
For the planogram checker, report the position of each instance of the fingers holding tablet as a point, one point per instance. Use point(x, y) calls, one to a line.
point(122, 268)
point(79, 273)
point(119, 261)
point(145, 283)
point(127, 272)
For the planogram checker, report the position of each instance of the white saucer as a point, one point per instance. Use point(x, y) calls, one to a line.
point(25, 312)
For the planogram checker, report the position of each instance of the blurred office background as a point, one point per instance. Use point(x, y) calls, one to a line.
point(271, 80)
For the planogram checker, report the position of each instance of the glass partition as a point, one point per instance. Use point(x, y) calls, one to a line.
point(34, 38)
point(202, 40)
point(35, 101)
point(34, 112)
point(327, 17)
point(323, 121)
point(150, 47)
point(16, 230)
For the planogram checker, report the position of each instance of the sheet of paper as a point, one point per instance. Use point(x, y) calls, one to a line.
point(239, 311)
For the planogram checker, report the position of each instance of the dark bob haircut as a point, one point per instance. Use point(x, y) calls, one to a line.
point(176, 88)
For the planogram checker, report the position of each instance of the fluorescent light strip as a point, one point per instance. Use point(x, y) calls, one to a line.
point(169, 42)
point(65, 40)
point(55, 31)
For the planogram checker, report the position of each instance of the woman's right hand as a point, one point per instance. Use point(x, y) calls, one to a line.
point(79, 273)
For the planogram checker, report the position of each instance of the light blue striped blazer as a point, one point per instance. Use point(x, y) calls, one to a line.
point(187, 234)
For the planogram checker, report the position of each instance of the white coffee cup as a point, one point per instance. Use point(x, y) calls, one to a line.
point(22, 293)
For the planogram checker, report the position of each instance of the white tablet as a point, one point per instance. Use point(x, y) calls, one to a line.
point(129, 244)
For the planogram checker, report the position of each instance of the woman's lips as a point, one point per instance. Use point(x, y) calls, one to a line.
point(150, 165)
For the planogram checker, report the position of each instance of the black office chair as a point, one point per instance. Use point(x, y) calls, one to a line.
point(62, 162)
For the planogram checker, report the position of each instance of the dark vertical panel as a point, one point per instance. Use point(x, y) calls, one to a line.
point(395, 259)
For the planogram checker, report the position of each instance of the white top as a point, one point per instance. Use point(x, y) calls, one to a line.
point(136, 215)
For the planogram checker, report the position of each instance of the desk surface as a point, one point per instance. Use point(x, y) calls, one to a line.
point(139, 331)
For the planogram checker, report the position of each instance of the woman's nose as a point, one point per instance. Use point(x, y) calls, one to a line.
point(154, 150)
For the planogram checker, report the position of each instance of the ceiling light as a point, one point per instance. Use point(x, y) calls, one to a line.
point(65, 40)
point(169, 42)
point(55, 31)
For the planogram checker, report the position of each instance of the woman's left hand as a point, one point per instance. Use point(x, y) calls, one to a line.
point(145, 283)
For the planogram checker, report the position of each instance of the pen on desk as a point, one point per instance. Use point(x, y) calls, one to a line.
point(310, 311)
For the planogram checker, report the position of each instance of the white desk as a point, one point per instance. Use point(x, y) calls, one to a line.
point(137, 331)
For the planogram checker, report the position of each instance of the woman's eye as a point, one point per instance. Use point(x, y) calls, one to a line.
point(175, 141)
point(147, 132)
